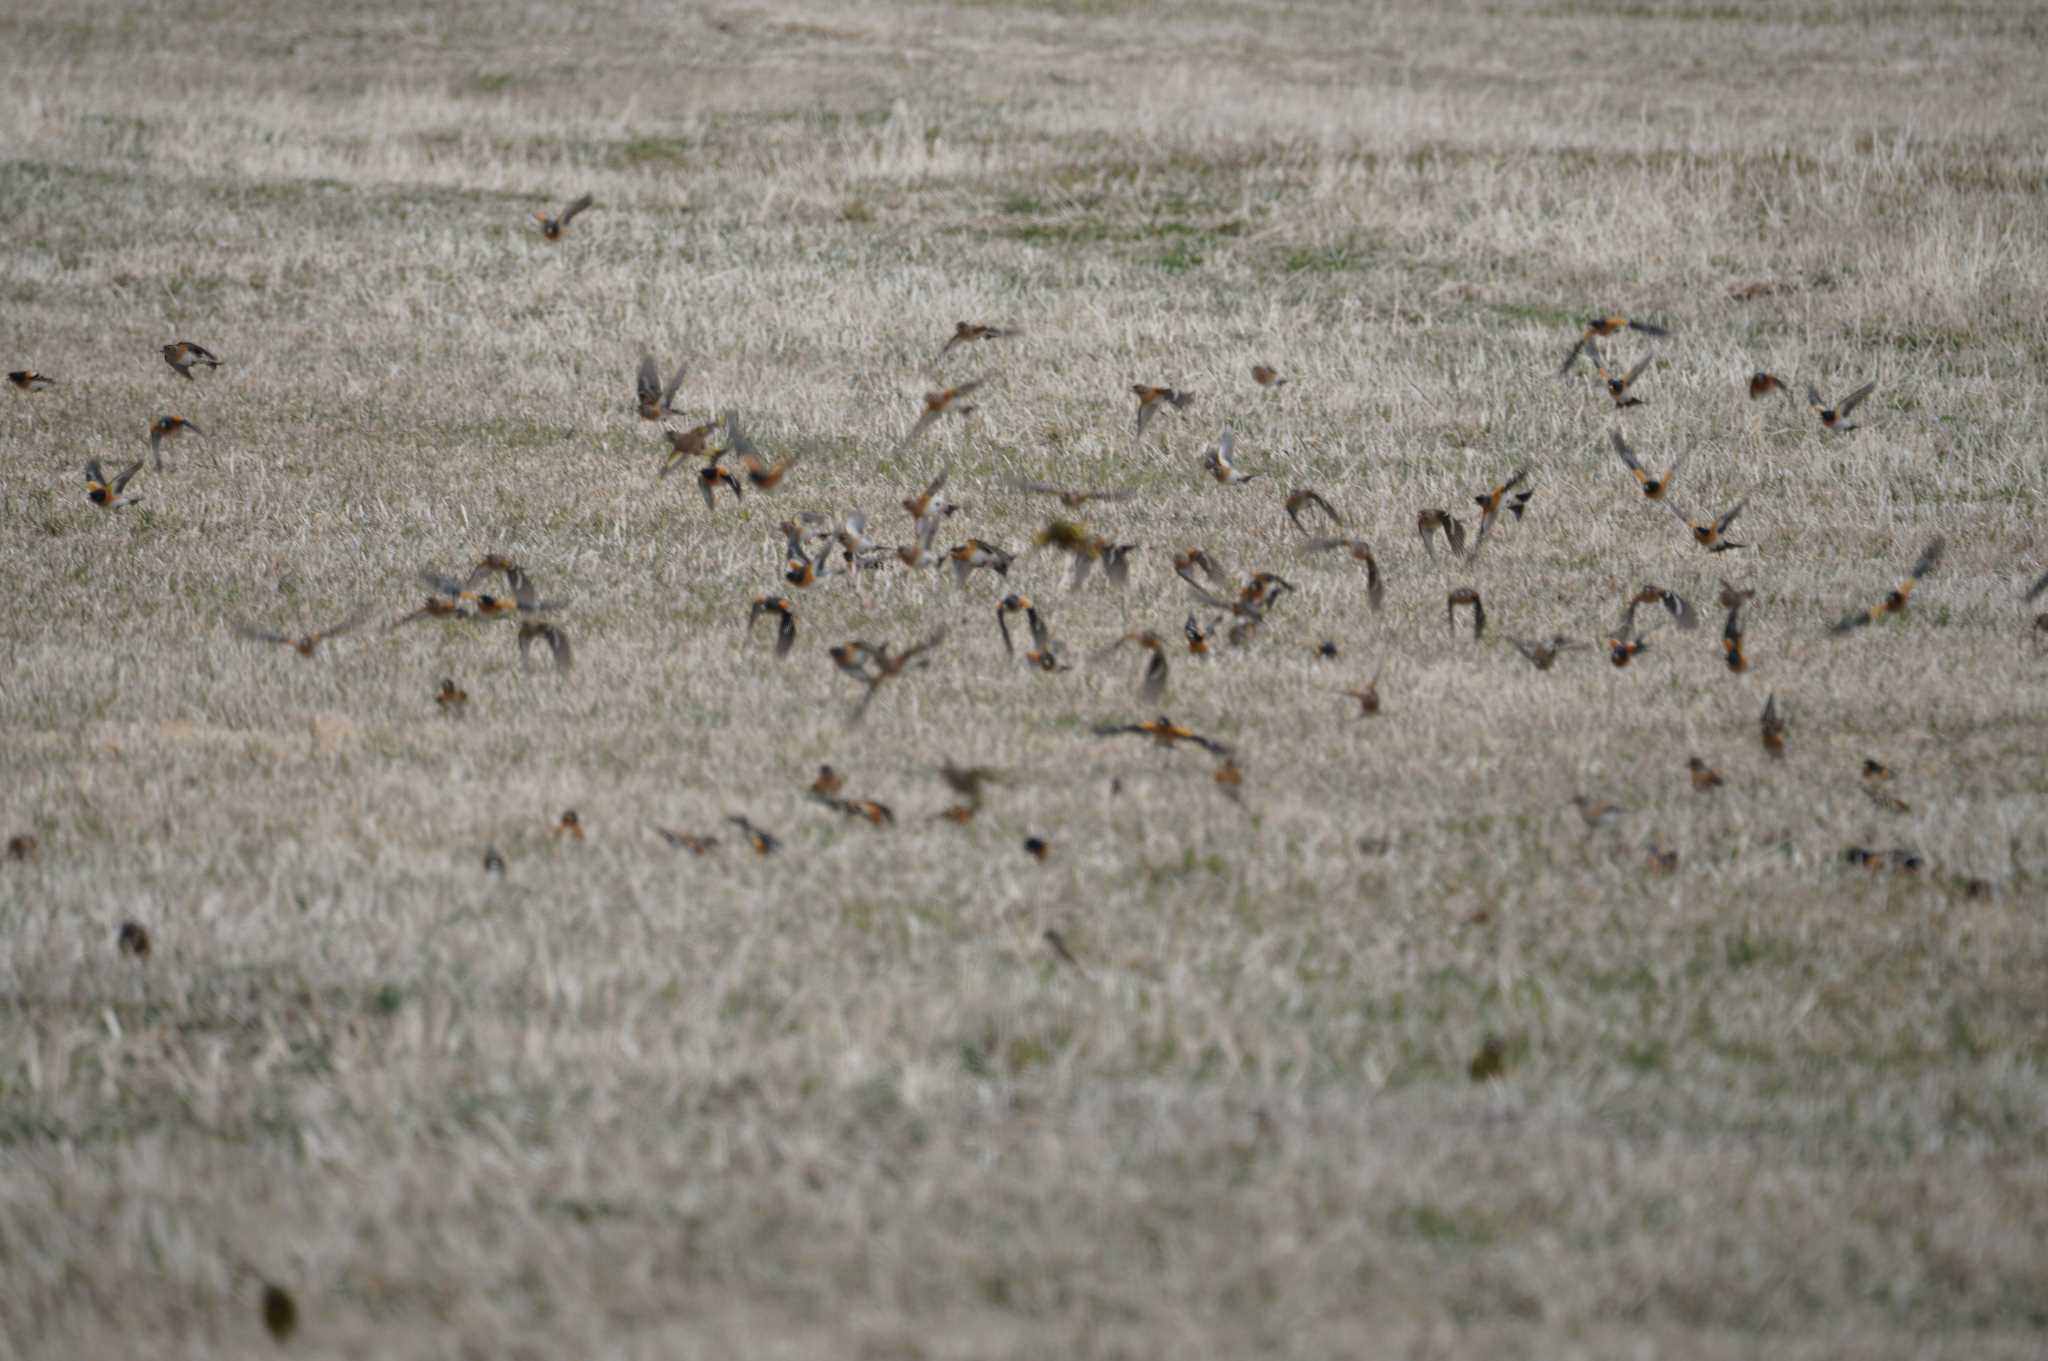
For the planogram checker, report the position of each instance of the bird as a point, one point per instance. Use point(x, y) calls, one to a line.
point(107, 495)
point(1070, 497)
point(1708, 534)
point(684, 445)
point(133, 940)
point(1152, 686)
point(570, 824)
point(1229, 779)
point(1428, 522)
point(766, 477)
point(280, 1313)
point(890, 664)
point(971, 556)
point(918, 552)
point(1836, 417)
point(1368, 698)
point(1704, 776)
point(801, 568)
point(1152, 400)
point(1116, 564)
point(532, 630)
point(1490, 1061)
point(28, 380)
point(1660, 859)
point(551, 228)
point(1626, 643)
point(167, 428)
point(1599, 328)
point(940, 404)
point(1466, 595)
point(1618, 386)
point(305, 643)
point(22, 846)
point(1890, 803)
point(1038, 848)
point(922, 505)
point(967, 782)
point(1013, 603)
point(1307, 498)
point(1875, 771)
point(1543, 653)
point(868, 810)
point(1762, 384)
point(452, 698)
point(183, 354)
point(1047, 653)
point(1266, 376)
point(1216, 460)
point(764, 843)
point(1490, 503)
point(1771, 729)
point(1198, 638)
point(1731, 641)
point(685, 841)
point(494, 863)
point(1165, 732)
point(709, 478)
point(655, 402)
point(966, 332)
point(1731, 596)
point(785, 617)
point(1677, 606)
point(1896, 599)
point(1359, 551)
point(1186, 562)
point(1597, 814)
point(1654, 488)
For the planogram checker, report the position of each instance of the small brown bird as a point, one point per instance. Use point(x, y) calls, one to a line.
point(1731, 598)
point(1889, 802)
point(655, 402)
point(1543, 654)
point(940, 404)
point(280, 1313)
point(1466, 595)
point(22, 846)
point(1071, 498)
point(1047, 653)
point(1153, 685)
point(167, 428)
point(890, 664)
point(1625, 644)
point(1708, 534)
point(107, 495)
point(452, 698)
point(1038, 848)
point(967, 332)
point(305, 643)
point(1266, 376)
point(1305, 498)
point(686, 841)
point(1771, 728)
point(1216, 461)
point(1896, 599)
point(766, 477)
point(1007, 606)
point(711, 476)
point(867, 810)
point(1359, 551)
point(1653, 487)
point(1763, 384)
point(1875, 771)
point(28, 380)
point(551, 228)
point(1597, 814)
point(1185, 563)
point(925, 503)
point(1836, 417)
point(133, 939)
point(538, 630)
point(969, 557)
point(1599, 328)
point(1152, 400)
point(1229, 779)
point(1618, 385)
point(1368, 698)
point(785, 620)
point(569, 825)
point(1491, 501)
point(967, 781)
point(1677, 606)
point(434, 607)
point(1490, 1062)
point(1704, 777)
point(1428, 522)
point(763, 842)
point(1731, 642)
point(1197, 636)
point(684, 445)
point(801, 568)
point(183, 354)
point(494, 863)
point(1165, 732)
point(827, 783)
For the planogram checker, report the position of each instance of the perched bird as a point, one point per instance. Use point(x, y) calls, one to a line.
point(133, 939)
point(1071, 498)
point(551, 228)
point(1165, 732)
point(1731, 641)
point(107, 495)
point(763, 842)
point(1153, 684)
point(655, 402)
point(785, 617)
point(940, 404)
point(1305, 498)
point(1708, 534)
point(1599, 328)
point(1266, 376)
point(1704, 776)
point(1763, 384)
point(685, 841)
point(1466, 595)
point(532, 630)
point(1542, 654)
point(167, 428)
point(1836, 417)
point(1491, 501)
point(1216, 460)
point(28, 380)
point(1654, 488)
point(569, 825)
point(971, 556)
point(1428, 522)
point(1618, 385)
point(280, 1314)
point(966, 332)
point(1359, 551)
point(1368, 698)
point(1677, 606)
point(1771, 728)
point(304, 644)
point(1152, 400)
point(452, 698)
point(1895, 600)
point(183, 354)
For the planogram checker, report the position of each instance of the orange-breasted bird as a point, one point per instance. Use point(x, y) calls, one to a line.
point(1763, 384)
point(1542, 654)
point(1153, 400)
point(971, 556)
point(1070, 497)
point(1491, 501)
point(1771, 729)
point(763, 842)
point(868, 810)
point(1428, 522)
point(766, 477)
point(1153, 684)
point(967, 332)
point(928, 500)
point(918, 552)
point(1599, 328)
point(1626, 643)
point(1677, 606)
point(1654, 488)
point(1198, 638)
point(28, 380)
point(1216, 460)
point(1038, 848)
point(1466, 595)
point(1047, 653)
point(1619, 384)
point(1368, 698)
point(436, 607)
point(1597, 813)
point(828, 782)
point(785, 617)
point(1731, 641)
point(305, 643)
point(551, 228)
point(890, 664)
point(1875, 771)
point(940, 404)
point(1007, 606)
point(655, 402)
point(1305, 498)
point(709, 478)
point(1836, 417)
point(569, 825)
point(1266, 376)
point(167, 428)
point(1708, 534)
point(1359, 551)
point(1185, 563)
point(452, 698)
point(685, 841)
point(107, 495)
point(1895, 600)
point(183, 354)
point(801, 568)
point(1704, 777)
point(531, 630)
point(1165, 732)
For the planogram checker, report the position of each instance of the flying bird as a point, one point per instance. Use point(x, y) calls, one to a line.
point(28, 380)
point(1151, 400)
point(532, 630)
point(1771, 729)
point(655, 402)
point(938, 405)
point(1491, 501)
point(1654, 488)
point(1599, 328)
point(1071, 498)
point(1543, 653)
point(305, 643)
point(1307, 498)
point(1836, 417)
point(1216, 460)
point(785, 620)
point(1266, 376)
point(1428, 522)
point(1359, 551)
point(1618, 385)
point(1165, 732)
point(551, 228)
point(967, 332)
point(1763, 384)
point(1708, 534)
point(167, 428)
point(1466, 595)
point(107, 495)
point(1731, 641)
point(182, 355)
point(1895, 600)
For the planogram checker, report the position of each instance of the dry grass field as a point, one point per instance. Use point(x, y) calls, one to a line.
point(846, 1100)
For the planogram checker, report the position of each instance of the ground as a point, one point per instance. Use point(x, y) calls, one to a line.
point(847, 1099)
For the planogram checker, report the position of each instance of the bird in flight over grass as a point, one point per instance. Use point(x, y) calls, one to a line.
point(107, 495)
point(1771, 729)
point(1216, 460)
point(183, 354)
point(1007, 606)
point(685, 841)
point(1704, 776)
point(1152, 687)
point(1047, 653)
point(1369, 697)
point(1731, 641)
point(764, 843)
point(890, 664)
point(1677, 606)
point(785, 616)
point(1618, 385)
point(305, 644)
point(1762, 384)
point(1599, 328)
point(1708, 534)
point(28, 380)
point(452, 698)
point(1895, 600)
point(1308, 498)
point(1152, 400)
point(1626, 642)
point(1071, 498)
point(551, 228)
point(1428, 522)
point(1491, 501)
point(1836, 417)
point(1654, 488)
point(655, 402)
point(1466, 595)
point(1359, 551)
point(966, 333)
point(971, 556)
point(938, 405)
point(1266, 376)
point(1165, 732)
point(688, 444)
point(532, 630)
point(167, 428)
point(1543, 654)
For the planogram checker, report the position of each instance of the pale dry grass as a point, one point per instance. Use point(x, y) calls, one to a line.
point(844, 1101)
